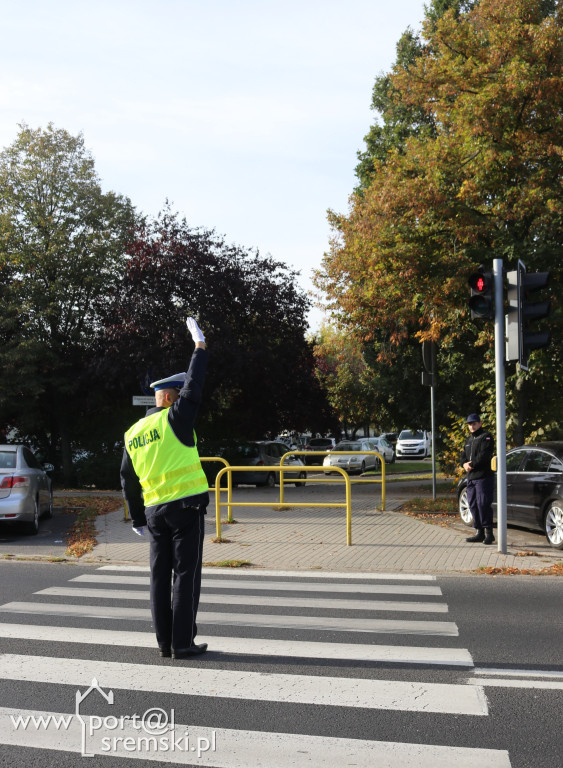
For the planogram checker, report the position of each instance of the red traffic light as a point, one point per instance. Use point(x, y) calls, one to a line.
point(478, 282)
point(481, 302)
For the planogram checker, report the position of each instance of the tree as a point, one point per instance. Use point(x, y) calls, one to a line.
point(260, 377)
point(346, 378)
point(483, 183)
point(61, 251)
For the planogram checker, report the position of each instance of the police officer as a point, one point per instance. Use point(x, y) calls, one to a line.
point(476, 461)
point(167, 494)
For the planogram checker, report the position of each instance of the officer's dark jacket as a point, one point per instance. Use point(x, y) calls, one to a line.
point(181, 417)
point(479, 450)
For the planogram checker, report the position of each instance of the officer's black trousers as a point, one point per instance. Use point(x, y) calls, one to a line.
point(480, 499)
point(176, 550)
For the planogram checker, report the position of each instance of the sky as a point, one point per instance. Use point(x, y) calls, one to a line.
point(247, 115)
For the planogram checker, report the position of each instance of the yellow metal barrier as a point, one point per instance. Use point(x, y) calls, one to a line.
point(230, 469)
point(229, 487)
point(324, 480)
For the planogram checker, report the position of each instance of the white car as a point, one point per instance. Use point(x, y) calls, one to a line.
point(384, 447)
point(416, 443)
point(356, 461)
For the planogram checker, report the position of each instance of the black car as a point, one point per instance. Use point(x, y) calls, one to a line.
point(318, 444)
point(534, 490)
point(260, 453)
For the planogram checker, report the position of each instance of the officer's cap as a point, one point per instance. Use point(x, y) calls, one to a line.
point(470, 418)
point(172, 382)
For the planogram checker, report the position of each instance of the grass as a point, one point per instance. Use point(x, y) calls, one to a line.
point(553, 570)
point(441, 505)
point(81, 538)
point(228, 564)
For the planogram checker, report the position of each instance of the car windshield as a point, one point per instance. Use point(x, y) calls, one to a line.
point(407, 434)
point(248, 451)
point(7, 459)
point(348, 447)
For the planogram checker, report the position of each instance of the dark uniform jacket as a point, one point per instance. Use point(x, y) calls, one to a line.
point(479, 450)
point(181, 417)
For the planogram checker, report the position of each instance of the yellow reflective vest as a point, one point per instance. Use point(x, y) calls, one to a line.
point(167, 469)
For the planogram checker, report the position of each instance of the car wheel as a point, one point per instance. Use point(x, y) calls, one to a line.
point(271, 480)
point(553, 524)
point(32, 528)
point(302, 476)
point(463, 508)
point(363, 469)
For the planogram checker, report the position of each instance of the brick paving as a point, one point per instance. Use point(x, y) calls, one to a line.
point(315, 538)
point(308, 538)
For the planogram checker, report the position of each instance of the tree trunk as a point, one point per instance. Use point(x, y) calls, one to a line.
point(66, 452)
point(521, 409)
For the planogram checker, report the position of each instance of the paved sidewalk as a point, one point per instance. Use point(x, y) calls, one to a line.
point(315, 538)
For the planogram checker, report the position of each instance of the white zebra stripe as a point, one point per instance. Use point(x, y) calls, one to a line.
point(394, 626)
point(254, 749)
point(286, 586)
point(244, 572)
point(398, 695)
point(285, 602)
point(248, 646)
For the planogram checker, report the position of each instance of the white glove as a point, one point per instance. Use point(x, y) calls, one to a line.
point(139, 531)
point(195, 330)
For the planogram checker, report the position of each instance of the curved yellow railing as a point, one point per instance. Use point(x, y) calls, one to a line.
point(230, 469)
point(325, 480)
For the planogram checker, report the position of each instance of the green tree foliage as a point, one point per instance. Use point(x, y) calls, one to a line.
point(260, 376)
point(61, 250)
point(478, 178)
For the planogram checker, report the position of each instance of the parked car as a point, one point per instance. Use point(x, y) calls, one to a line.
point(26, 491)
point(414, 443)
point(258, 454)
point(391, 438)
point(534, 490)
point(384, 447)
point(318, 444)
point(356, 459)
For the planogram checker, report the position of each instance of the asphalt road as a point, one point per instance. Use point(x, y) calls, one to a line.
point(454, 665)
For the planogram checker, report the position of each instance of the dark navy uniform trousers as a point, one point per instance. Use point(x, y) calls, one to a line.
point(480, 500)
point(176, 548)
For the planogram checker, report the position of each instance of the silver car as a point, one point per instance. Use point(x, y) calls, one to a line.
point(26, 492)
point(356, 461)
point(385, 448)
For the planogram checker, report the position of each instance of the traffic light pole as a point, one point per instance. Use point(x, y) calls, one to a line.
point(500, 405)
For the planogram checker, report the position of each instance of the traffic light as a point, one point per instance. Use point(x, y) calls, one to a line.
point(521, 312)
point(482, 303)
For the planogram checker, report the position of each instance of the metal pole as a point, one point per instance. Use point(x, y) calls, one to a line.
point(433, 428)
point(501, 408)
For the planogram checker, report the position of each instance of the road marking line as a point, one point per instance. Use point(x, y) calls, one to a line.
point(248, 646)
point(399, 695)
point(258, 572)
point(272, 601)
point(497, 683)
point(253, 749)
point(288, 586)
point(395, 626)
point(519, 673)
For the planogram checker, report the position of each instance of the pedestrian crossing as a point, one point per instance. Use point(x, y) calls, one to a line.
point(291, 648)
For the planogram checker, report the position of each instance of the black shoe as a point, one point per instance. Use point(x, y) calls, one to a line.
point(165, 653)
point(489, 538)
point(479, 536)
point(186, 653)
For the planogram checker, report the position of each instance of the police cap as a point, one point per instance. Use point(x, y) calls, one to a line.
point(172, 382)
